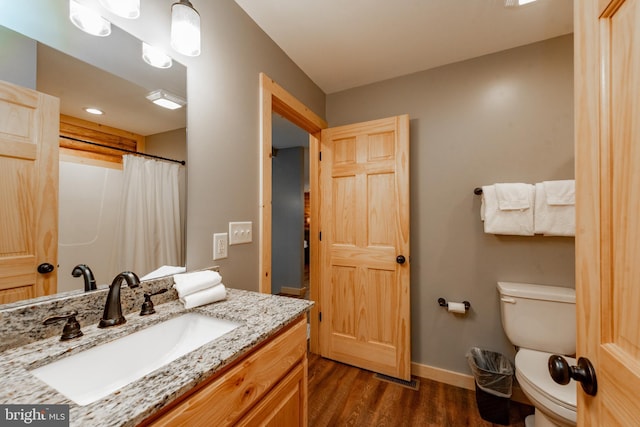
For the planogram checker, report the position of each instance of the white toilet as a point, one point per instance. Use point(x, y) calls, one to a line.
point(540, 321)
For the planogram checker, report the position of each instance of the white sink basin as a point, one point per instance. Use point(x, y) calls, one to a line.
point(99, 371)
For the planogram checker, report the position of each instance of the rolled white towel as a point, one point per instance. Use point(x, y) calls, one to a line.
point(207, 296)
point(189, 283)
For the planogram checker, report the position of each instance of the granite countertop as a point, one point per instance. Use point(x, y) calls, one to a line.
point(261, 316)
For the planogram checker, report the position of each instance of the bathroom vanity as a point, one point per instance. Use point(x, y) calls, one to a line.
point(257, 371)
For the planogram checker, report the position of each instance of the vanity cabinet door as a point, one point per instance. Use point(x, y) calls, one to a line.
point(284, 406)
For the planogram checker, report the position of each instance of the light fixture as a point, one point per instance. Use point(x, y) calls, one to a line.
point(165, 99)
point(515, 3)
point(129, 9)
point(88, 20)
point(155, 56)
point(185, 28)
point(95, 111)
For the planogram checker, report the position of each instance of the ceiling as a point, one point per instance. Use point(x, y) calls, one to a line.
point(80, 85)
point(344, 44)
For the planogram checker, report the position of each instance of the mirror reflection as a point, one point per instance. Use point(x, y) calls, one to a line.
point(93, 211)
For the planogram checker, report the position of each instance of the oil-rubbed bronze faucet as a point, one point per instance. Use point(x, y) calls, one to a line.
point(113, 307)
point(84, 271)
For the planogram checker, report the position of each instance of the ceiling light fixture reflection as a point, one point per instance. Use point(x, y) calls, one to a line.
point(88, 20)
point(185, 28)
point(165, 99)
point(155, 56)
point(129, 9)
point(95, 111)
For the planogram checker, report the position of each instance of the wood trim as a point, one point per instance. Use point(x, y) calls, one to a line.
point(588, 160)
point(274, 98)
point(94, 132)
point(457, 379)
point(73, 156)
point(314, 241)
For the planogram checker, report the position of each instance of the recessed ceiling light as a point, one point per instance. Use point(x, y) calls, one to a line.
point(165, 99)
point(95, 111)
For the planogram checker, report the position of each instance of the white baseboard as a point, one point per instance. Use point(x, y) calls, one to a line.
point(459, 380)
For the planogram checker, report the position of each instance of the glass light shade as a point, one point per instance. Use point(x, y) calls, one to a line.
point(88, 20)
point(155, 56)
point(126, 8)
point(185, 28)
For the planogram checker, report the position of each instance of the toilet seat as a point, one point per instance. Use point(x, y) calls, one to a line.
point(532, 373)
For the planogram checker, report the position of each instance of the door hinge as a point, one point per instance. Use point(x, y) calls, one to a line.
point(320, 316)
point(320, 236)
point(319, 156)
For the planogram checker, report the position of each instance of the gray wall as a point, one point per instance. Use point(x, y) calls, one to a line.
point(288, 219)
point(505, 117)
point(18, 56)
point(223, 131)
point(222, 114)
point(223, 125)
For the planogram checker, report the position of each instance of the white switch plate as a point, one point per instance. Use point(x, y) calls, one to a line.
point(240, 232)
point(220, 241)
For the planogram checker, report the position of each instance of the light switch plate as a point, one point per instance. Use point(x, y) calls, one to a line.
point(220, 245)
point(240, 232)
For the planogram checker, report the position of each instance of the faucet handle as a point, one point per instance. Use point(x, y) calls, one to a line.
point(147, 305)
point(71, 328)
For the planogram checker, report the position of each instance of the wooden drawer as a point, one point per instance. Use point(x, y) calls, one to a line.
point(229, 396)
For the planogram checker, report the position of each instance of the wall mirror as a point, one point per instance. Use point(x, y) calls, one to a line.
point(47, 53)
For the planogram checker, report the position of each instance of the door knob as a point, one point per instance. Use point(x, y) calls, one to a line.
point(400, 259)
point(45, 268)
point(562, 372)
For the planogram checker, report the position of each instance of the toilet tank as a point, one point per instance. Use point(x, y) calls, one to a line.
point(539, 317)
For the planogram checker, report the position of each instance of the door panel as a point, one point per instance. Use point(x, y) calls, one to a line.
point(608, 202)
point(364, 180)
point(29, 123)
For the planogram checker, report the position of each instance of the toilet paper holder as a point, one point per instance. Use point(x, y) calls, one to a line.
point(443, 303)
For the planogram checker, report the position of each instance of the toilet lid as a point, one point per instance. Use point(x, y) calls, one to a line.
point(533, 367)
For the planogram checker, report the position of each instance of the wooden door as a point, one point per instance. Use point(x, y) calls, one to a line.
point(607, 82)
point(364, 225)
point(29, 123)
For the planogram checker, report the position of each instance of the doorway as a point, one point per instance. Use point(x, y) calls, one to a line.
point(275, 99)
point(290, 245)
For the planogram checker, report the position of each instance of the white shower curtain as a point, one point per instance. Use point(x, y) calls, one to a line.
point(149, 233)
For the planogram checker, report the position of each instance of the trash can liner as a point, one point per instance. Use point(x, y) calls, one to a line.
point(492, 371)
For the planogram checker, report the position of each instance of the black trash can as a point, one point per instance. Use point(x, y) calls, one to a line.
point(493, 374)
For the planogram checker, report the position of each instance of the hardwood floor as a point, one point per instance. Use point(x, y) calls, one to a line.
point(341, 395)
